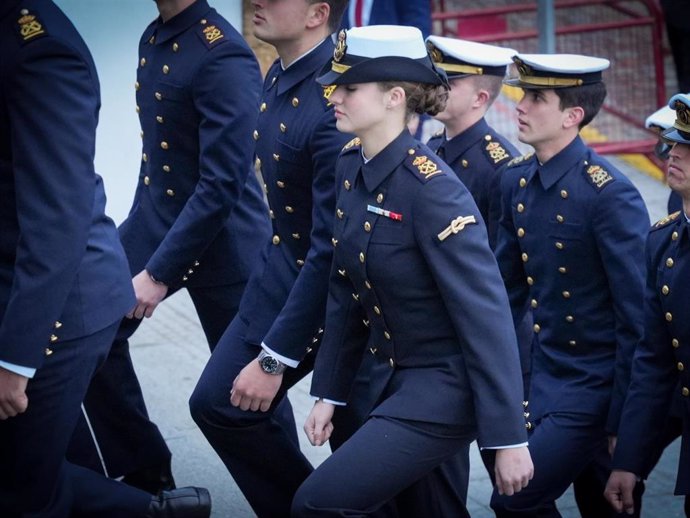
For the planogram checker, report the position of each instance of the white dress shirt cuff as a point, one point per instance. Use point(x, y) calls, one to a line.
point(282, 359)
point(504, 447)
point(330, 401)
point(27, 372)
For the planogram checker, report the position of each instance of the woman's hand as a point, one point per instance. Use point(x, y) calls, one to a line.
point(318, 425)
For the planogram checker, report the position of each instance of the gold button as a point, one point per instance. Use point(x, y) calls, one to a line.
point(367, 226)
point(530, 281)
point(559, 245)
point(339, 213)
point(53, 338)
point(525, 404)
point(158, 96)
point(166, 168)
point(674, 236)
point(365, 322)
point(465, 163)
point(562, 269)
point(170, 192)
point(521, 232)
point(300, 262)
point(526, 414)
point(144, 157)
point(523, 182)
point(669, 317)
point(669, 262)
point(367, 284)
point(536, 328)
point(361, 257)
point(377, 310)
point(379, 198)
point(48, 351)
point(263, 107)
point(572, 343)
point(142, 61)
point(159, 118)
point(528, 426)
point(141, 134)
point(566, 294)
point(334, 241)
point(665, 289)
point(410, 151)
point(255, 135)
point(176, 47)
point(276, 240)
point(147, 180)
point(164, 145)
point(295, 102)
point(685, 391)
point(136, 85)
point(391, 363)
point(569, 318)
point(675, 343)
point(280, 184)
point(373, 350)
point(273, 79)
point(525, 257)
point(289, 209)
point(190, 271)
point(520, 207)
point(387, 335)
point(534, 303)
point(271, 214)
point(564, 194)
point(283, 128)
point(138, 109)
point(196, 263)
point(185, 278)
point(276, 157)
point(166, 69)
point(347, 185)
point(296, 235)
point(152, 40)
point(57, 324)
point(680, 366)
point(203, 21)
point(355, 296)
point(560, 218)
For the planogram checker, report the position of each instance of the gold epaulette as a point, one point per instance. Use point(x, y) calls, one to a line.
point(354, 142)
point(598, 176)
point(495, 150)
point(519, 159)
point(666, 220)
point(424, 166)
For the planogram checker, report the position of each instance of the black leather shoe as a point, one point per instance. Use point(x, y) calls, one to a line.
point(153, 479)
point(185, 502)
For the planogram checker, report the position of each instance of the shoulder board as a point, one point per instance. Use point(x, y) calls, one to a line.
point(494, 151)
point(666, 220)
point(598, 176)
point(519, 159)
point(29, 27)
point(210, 34)
point(422, 166)
point(355, 142)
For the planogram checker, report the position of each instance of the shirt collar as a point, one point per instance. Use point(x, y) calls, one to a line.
point(180, 22)
point(376, 170)
point(560, 164)
point(458, 145)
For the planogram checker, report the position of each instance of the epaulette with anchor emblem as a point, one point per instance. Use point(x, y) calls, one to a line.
point(519, 159)
point(666, 220)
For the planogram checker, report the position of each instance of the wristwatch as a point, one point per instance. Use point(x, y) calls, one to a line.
point(271, 365)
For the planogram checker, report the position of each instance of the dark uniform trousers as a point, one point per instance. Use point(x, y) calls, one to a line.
point(283, 306)
point(197, 221)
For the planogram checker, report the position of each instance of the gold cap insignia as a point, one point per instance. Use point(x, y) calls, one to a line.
point(682, 113)
point(436, 55)
point(29, 27)
point(340, 47)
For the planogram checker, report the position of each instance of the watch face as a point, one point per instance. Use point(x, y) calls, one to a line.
point(269, 364)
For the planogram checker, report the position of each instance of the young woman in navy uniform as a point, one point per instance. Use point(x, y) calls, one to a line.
point(413, 283)
point(660, 366)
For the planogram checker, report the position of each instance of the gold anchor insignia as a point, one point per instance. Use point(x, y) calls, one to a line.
point(427, 168)
point(682, 112)
point(496, 152)
point(456, 226)
point(29, 27)
point(523, 68)
point(419, 161)
point(354, 142)
point(212, 33)
point(436, 55)
point(341, 46)
point(598, 175)
point(328, 90)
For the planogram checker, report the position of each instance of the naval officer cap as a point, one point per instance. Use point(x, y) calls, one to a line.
point(557, 70)
point(377, 53)
point(680, 131)
point(662, 118)
point(462, 58)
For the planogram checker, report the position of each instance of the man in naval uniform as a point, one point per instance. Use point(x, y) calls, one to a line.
point(571, 243)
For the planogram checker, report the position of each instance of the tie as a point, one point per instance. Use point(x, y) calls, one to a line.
point(359, 9)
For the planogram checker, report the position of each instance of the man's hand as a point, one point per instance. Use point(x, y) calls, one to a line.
point(13, 398)
point(149, 294)
point(514, 470)
point(318, 425)
point(253, 389)
point(619, 491)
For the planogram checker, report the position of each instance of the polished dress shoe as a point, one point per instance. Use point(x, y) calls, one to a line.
point(153, 479)
point(184, 502)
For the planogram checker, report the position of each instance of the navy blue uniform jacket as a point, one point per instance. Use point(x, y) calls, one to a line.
point(663, 356)
point(63, 274)
point(416, 13)
point(197, 214)
point(477, 155)
point(297, 145)
point(431, 309)
point(571, 242)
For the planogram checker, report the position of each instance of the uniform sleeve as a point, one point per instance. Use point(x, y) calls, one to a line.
point(304, 309)
point(508, 254)
point(52, 103)
point(227, 102)
point(620, 224)
point(653, 378)
point(465, 271)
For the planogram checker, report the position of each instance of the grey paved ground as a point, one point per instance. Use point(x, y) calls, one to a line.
point(169, 353)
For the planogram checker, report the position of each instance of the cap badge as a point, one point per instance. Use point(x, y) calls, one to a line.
point(436, 55)
point(682, 113)
point(340, 47)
